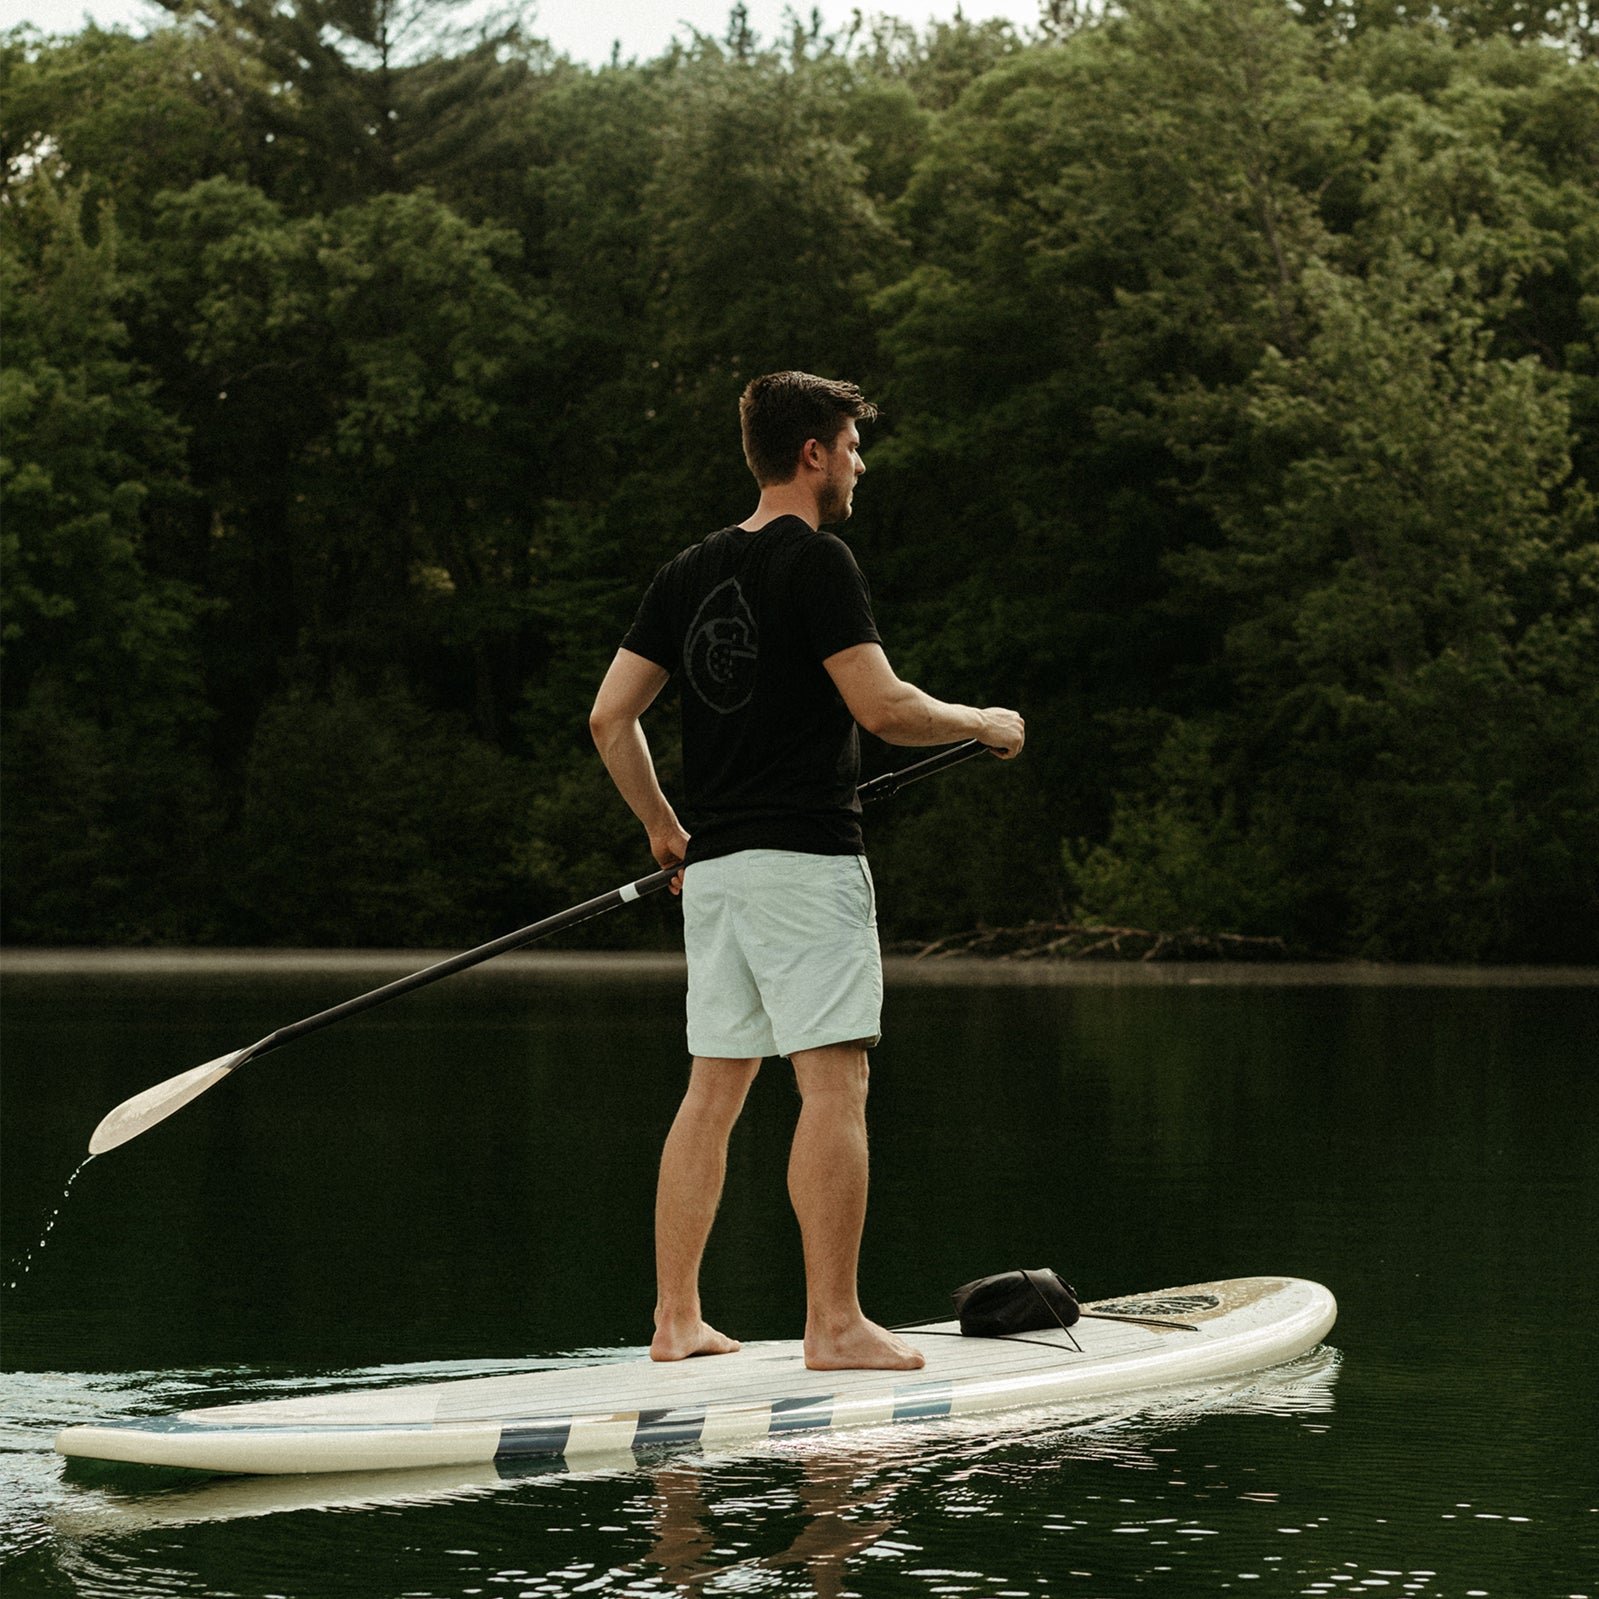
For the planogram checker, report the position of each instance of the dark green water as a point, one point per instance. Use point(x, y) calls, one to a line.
point(462, 1184)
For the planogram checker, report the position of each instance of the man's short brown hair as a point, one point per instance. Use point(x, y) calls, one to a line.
point(780, 411)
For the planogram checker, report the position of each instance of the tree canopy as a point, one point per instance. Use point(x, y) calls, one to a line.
point(1239, 370)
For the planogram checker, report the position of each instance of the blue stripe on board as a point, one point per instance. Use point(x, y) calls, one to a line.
point(801, 1415)
point(546, 1437)
point(922, 1401)
point(669, 1427)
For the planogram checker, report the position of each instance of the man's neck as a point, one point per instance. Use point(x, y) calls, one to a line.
point(784, 499)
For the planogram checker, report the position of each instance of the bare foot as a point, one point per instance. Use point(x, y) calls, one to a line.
point(674, 1341)
point(863, 1346)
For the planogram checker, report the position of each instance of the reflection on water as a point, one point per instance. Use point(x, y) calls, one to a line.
point(837, 1515)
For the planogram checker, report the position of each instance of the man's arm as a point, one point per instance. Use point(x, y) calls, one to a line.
point(629, 689)
point(900, 713)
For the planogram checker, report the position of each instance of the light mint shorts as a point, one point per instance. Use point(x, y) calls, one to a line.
point(782, 953)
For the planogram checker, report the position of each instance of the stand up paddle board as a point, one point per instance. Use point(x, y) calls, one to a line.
point(1201, 1331)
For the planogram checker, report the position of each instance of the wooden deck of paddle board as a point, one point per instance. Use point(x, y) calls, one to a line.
point(1241, 1325)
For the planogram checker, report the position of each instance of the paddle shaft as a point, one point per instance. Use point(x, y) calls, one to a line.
point(890, 783)
point(883, 787)
point(459, 963)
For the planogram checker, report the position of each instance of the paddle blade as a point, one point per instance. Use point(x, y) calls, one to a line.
point(143, 1111)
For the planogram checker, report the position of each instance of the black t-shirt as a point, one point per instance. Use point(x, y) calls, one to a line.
point(771, 758)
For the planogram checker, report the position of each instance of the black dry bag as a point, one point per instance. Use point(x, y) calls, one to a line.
point(1015, 1302)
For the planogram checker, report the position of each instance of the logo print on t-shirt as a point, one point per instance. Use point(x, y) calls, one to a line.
point(719, 652)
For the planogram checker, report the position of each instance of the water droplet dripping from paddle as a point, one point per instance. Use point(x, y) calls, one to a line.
point(26, 1263)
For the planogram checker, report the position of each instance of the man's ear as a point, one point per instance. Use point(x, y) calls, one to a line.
point(813, 453)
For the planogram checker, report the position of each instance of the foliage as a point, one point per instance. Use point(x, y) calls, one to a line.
point(103, 774)
point(365, 817)
point(1414, 613)
point(1240, 372)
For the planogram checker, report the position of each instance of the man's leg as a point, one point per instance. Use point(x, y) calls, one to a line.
point(827, 1184)
point(693, 1164)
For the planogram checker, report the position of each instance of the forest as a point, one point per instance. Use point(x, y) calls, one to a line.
point(1238, 363)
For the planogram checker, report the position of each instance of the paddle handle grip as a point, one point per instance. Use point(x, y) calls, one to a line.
point(558, 923)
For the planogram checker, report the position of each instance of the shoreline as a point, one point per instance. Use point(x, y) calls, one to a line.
point(898, 970)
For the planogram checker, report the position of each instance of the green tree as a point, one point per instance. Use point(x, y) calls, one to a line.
point(340, 100)
point(102, 687)
point(116, 117)
point(1413, 593)
point(365, 393)
point(1097, 224)
point(763, 232)
point(1571, 23)
point(368, 820)
point(1127, 239)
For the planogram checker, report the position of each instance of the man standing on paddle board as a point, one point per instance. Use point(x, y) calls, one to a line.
point(770, 623)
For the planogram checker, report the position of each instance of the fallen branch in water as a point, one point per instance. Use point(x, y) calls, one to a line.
point(1084, 941)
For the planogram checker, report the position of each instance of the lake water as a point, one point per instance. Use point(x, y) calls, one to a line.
point(462, 1184)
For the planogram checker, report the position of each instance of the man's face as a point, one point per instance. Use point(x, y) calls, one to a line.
point(844, 466)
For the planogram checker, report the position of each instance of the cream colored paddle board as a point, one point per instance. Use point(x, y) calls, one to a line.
point(1208, 1330)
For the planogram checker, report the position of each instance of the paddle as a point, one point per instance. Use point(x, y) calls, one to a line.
point(143, 1111)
